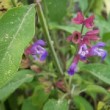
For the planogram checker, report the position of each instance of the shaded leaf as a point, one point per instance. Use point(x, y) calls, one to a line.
point(27, 105)
point(82, 103)
point(53, 104)
point(39, 97)
point(20, 78)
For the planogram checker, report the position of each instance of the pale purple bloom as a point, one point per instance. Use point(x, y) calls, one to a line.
point(98, 51)
point(83, 51)
point(37, 50)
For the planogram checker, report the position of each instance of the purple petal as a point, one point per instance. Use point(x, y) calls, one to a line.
point(44, 56)
point(72, 69)
point(104, 55)
point(39, 42)
point(100, 44)
point(95, 51)
point(83, 51)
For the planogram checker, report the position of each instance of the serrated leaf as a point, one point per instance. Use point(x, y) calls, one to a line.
point(20, 78)
point(16, 31)
point(53, 104)
point(101, 71)
point(82, 103)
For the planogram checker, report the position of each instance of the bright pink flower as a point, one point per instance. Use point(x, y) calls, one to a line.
point(79, 19)
point(75, 37)
point(89, 22)
point(90, 36)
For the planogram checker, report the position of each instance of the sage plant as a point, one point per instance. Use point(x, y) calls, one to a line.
point(84, 42)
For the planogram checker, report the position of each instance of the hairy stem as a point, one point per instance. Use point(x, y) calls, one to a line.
point(47, 36)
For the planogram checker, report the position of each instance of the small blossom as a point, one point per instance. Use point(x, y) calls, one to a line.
point(37, 50)
point(83, 51)
point(79, 19)
point(98, 51)
point(73, 68)
point(75, 37)
point(89, 22)
point(90, 36)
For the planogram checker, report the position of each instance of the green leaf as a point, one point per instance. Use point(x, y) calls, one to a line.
point(56, 9)
point(27, 105)
point(102, 24)
point(96, 89)
point(101, 71)
point(53, 104)
point(106, 38)
point(69, 29)
point(39, 97)
point(82, 103)
point(83, 4)
point(20, 78)
point(98, 6)
point(16, 31)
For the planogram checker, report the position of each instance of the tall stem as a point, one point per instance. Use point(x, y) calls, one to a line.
point(47, 36)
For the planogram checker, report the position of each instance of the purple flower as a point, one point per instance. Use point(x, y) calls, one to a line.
point(73, 68)
point(83, 51)
point(37, 50)
point(98, 51)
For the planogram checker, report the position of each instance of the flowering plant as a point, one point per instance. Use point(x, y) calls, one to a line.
point(37, 66)
point(85, 48)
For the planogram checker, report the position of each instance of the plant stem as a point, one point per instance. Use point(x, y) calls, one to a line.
point(47, 35)
point(2, 106)
point(82, 28)
point(13, 2)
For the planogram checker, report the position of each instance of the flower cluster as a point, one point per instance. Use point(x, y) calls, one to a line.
point(85, 48)
point(37, 50)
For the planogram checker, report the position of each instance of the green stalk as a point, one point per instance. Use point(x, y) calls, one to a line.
point(13, 2)
point(2, 106)
point(47, 36)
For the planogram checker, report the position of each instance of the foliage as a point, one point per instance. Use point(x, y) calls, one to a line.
point(33, 76)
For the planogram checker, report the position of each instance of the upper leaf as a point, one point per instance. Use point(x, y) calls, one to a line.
point(16, 31)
